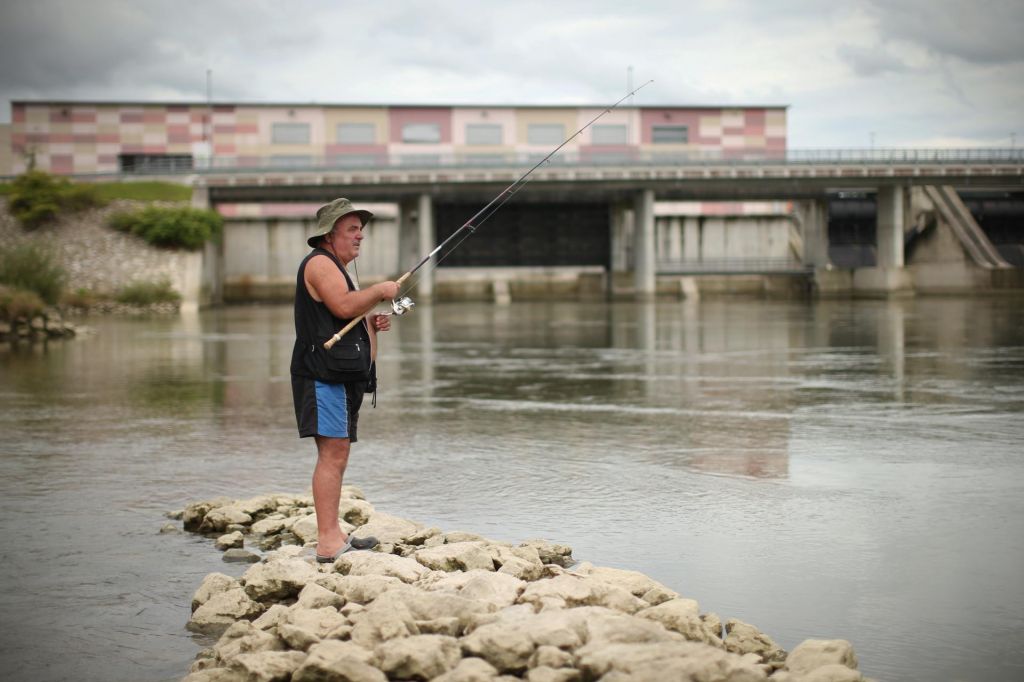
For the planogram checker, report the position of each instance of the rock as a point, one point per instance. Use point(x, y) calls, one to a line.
point(271, 618)
point(229, 541)
point(743, 638)
point(421, 657)
point(354, 511)
point(547, 674)
point(654, 662)
point(301, 628)
point(550, 657)
point(359, 589)
point(389, 529)
point(241, 638)
point(374, 563)
point(714, 623)
point(682, 616)
point(440, 626)
point(462, 536)
point(551, 553)
point(816, 653)
point(507, 649)
point(305, 528)
point(331, 661)
point(459, 556)
point(422, 535)
point(240, 556)
point(470, 669)
point(169, 528)
point(834, 672)
point(268, 666)
point(521, 569)
point(314, 596)
point(273, 524)
point(216, 675)
point(381, 621)
point(256, 505)
point(222, 610)
point(278, 579)
point(487, 586)
point(213, 583)
point(195, 513)
point(218, 519)
point(634, 582)
point(568, 590)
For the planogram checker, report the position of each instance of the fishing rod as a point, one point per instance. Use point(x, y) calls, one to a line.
point(402, 305)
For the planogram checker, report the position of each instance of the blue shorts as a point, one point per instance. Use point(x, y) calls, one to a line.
point(329, 410)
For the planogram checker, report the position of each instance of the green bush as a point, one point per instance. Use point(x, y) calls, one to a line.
point(147, 293)
point(15, 303)
point(37, 198)
point(32, 266)
point(189, 228)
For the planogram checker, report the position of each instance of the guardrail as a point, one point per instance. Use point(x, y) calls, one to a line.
point(393, 161)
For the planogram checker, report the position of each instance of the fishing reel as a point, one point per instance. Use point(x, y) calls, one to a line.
point(402, 305)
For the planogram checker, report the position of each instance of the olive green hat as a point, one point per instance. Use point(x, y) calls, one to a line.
point(328, 215)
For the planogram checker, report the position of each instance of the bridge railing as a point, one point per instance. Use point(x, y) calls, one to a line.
point(519, 161)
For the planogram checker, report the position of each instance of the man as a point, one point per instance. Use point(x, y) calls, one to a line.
point(327, 386)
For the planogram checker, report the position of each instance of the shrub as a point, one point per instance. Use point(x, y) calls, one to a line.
point(82, 298)
point(148, 293)
point(15, 303)
point(37, 198)
point(189, 228)
point(32, 266)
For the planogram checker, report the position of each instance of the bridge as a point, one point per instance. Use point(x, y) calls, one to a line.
point(617, 216)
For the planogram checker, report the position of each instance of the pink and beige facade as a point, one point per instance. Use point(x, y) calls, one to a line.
point(125, 137)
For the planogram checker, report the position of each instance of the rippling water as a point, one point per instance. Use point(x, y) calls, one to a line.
point(836, 469)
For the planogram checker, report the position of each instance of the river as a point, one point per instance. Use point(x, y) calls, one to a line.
point(833, 469)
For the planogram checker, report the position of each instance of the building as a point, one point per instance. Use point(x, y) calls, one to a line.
point(82, 138)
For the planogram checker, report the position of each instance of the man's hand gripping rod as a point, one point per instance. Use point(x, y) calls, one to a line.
point(403, 305)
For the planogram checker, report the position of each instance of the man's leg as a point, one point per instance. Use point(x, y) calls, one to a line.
point(332, 458)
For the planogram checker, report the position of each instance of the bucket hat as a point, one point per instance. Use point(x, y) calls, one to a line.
point(329, 214)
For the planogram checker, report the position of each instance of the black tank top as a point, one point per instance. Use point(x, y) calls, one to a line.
point(314, 324)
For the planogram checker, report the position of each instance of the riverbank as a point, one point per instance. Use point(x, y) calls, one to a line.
point(456, 607)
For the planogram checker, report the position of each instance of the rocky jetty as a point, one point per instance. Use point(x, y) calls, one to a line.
point(457, 607)
point(46, 325)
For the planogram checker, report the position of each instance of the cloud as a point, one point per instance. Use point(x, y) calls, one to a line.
point(868, 61)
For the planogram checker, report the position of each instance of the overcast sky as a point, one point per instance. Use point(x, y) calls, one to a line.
point(901, 73)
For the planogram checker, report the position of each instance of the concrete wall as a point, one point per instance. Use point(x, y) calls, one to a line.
point(6, 156)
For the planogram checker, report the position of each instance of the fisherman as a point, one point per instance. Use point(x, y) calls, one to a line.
point(328, 385)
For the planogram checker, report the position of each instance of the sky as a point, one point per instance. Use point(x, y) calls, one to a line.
point(861, 73)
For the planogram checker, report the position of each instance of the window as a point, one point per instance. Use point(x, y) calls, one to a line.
point(545, 133)
point(290, 133)
point(609, 134)
point(421, 133)
point(155, 163)
point(356, 133)
point(421, 160)
point(669, 135)
point(291, 161)
point(357, 160)
point(483, 133)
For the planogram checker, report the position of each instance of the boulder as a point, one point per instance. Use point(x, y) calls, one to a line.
point(193, 516)
point(682, 616)
point(569, 590)
point(834, 672)
point(240, 556)
point(273, 524)
point(655, 662)
point(471, 669)
point(268, 666)
point(257, 505)
point(547, 674)
point(498, 589)
point(278, 578)
point(359, 589)
point(314, 596)
point(743, 638)
point(521, 569)
point(229, 541)
point(354, 511)
point(241, 638)
point(301, 628)
point(547, 656)
point(422, 535)
point(374, 563)
point(216, 675)
point(389, 529)
point(550, 552)
point(634, 582)
point(218, 519)
point(334, 661)
point(271, 618)
point(222, 610)
point(459, 556)
point(817, 653)
point(463, 536)
point(420, 657)
point(212, 584)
